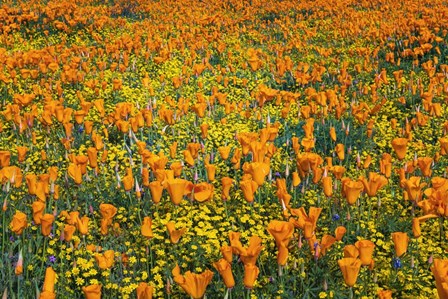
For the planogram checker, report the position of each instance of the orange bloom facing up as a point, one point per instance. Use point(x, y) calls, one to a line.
point(440, 272)
point(193, 284)
point(146, 228)
point(384, 294)
point(375, 183)
point(306, 222)
point(350, 269)
point(18, 223)
point(176, 189)
point(46, 224)
point(339, 232)
point(203, 192)
point(250, 275)
point(365, 248)
point(144, 291)
point(400, 147)
point(225, 270)
point(249, 188)
point(156, 190)
point(105, 260)
point(92, 291)
point(401, 241)
point(351, 190)
point(282, 232)
point(175, 234)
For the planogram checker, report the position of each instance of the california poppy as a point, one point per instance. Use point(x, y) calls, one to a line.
point(46, 224)
point(365, 248)
point(249, 188)
point(144, 291)
point(18, 223)
point(250, 275)
point(225, 270)
point(176, 189)
point(400, 146)
point(105, 260)
point(49, 280)
point(92, 291)
point(351, 190)
point(68, 232)
point(439, 270)
point(193, 284)
point(175, 234)
point(375, 183)
point(401, 241)
point(156, 189)
point(282, 232)
point(350, 270)
point(146, 228)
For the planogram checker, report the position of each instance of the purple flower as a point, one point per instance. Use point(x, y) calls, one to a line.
point(396, 263)
point(335, 217)
point(52, 259)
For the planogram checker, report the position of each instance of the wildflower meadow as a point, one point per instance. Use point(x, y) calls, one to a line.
point(224, 149)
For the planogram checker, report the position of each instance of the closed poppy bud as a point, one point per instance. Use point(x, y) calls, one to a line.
point(146, 228)
point(416, 230)
point(49, 280)
point(46, 224)
point(211, 170)
point(144, 291)
point(333, 133)
point(18, 223)
point(350, 269)
point(340, 151)
point(31, 181)
point(401, 241)
point(188, 158)
point(328, 186)
point(47, 295)
point(69, 230)
point(365, 248)
point(400, 146)
point(92, 154)
point(92, 291)
point(225, 270)
point(339, 232)
point(145, 177)
point(250, 275)
point(156, 190)
point(173, 149)
point(83, 225)
point(19, 266)
point(128, 182)
point(74, 171)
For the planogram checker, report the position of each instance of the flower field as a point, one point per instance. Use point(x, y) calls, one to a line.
point(224, 149)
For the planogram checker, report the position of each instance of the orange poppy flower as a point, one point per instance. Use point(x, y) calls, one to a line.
point(82, 224)
point(203, 192)
point(49, 280)
point(439, 270)
point(384, 294)
point(340, 151)
point(226, 252)
point(92, 291)
point(365, 249)
point(38, 211)
point(146, 228)
point(351, 190)
point(225, 270)
point(400, 147)
point(250, 275)
point(351, 251)
point(144, 291)
point(350, 269)
point(105, 260)
point(175, 234)
point(193, 284)
point(18, 223)
point(69, 230)
point(5, 157)
point(176, 189)
point(401, 241)
point(46, 224)
point(249, 188)
point(258, 171)
point(282, 232)
point(306, 222)
point(375, 183)
point(339, 232)
point(74, 171)
point(328, 186)
point(21, 153)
